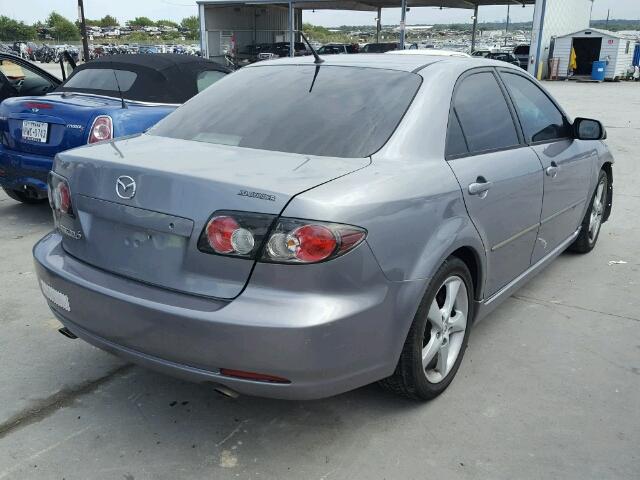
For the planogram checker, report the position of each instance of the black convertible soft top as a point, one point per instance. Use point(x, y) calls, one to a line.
point(160, 77)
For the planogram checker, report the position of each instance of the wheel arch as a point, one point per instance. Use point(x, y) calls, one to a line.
point(471, 259)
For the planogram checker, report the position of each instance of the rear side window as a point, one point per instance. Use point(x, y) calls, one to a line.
point(207, 78)
point(456, 143)
point(102, 79)
point(485, 119)
point(324, 110)
point(540, 118)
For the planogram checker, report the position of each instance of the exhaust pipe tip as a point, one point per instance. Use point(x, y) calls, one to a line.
point(67, 333)
point(226, 392)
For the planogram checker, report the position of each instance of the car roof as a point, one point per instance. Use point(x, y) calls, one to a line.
point(156, 61)
point(160, 78)
point(430, 52)
point(405, 63)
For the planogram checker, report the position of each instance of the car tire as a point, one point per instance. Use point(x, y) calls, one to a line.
point(424, 381)
point(592, 222)
point(19, 196)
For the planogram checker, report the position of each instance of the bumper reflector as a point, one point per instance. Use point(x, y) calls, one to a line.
point(257, 377)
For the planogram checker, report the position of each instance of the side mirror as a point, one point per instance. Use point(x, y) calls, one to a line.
point(587, 129)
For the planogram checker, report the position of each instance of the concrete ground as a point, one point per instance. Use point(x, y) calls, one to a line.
point(549, 387)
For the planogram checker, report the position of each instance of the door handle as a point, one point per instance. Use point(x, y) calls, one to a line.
point(553, 170)
point(481, 187)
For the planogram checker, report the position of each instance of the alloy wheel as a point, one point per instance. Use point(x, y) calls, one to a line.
point(597, 211)
point(445, 330)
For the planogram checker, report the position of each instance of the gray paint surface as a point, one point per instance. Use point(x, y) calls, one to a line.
point(539, 394)
point(302, 323)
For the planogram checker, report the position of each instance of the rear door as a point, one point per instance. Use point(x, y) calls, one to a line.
point(567, 163)
point(500, 177)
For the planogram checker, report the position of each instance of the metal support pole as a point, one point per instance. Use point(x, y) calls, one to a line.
point(506, 32)
point(475, 28)
point(83, 31)
point(403, 18)
point(292, 50)
point(378, 25)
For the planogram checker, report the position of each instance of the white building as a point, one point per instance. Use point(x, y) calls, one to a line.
point(552, 18)
point(595, 45)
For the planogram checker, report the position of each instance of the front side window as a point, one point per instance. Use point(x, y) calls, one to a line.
point(485, 119)
point(314, 110)
point(24, 80)
point(540, 118)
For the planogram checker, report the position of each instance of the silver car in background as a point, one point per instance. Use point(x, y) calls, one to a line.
point(301, 229)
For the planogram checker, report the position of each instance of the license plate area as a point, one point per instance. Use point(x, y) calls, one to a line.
point(35, 131)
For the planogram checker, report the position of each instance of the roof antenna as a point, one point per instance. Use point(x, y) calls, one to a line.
point(318, 60)
point(124, 105)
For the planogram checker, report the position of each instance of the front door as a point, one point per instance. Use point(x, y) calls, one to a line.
point(20, 78)
point(566, 163)
point(500, 177)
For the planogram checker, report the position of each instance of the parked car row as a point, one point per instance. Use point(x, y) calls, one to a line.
point(519, 57)
point(46, 53)
point(305, 226)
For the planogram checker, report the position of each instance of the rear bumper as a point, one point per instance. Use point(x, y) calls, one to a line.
point(18, 169)
point(325, 337)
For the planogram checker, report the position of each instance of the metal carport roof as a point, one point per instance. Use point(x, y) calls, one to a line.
point(372, 5)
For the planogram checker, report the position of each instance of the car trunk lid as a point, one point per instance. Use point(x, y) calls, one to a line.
point(67, 119)
point(152, 236)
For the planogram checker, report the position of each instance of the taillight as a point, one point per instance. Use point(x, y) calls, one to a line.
point(239, 234)
point(302, 241)
point(101, 129)
point(60, 195)
point(251, 236)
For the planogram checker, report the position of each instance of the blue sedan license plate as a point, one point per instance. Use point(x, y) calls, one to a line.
point(34, 131)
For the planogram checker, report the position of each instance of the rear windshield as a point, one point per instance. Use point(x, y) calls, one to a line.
point(326, 110)
point(102, 79)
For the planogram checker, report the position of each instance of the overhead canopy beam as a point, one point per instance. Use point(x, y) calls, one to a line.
point(369, 5)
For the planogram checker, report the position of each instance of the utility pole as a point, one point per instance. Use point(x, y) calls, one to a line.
point(403, 19)
point(608, 13)
point(475, 28)
point(506, 32)
point(378, 25)
point(83, 31)
point(591, 12)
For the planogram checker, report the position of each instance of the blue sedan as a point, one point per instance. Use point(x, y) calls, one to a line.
point(109, 97)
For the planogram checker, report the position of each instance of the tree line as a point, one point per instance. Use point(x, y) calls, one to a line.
point(62, 29)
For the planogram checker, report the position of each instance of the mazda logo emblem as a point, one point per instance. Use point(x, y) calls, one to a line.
point(125, 187)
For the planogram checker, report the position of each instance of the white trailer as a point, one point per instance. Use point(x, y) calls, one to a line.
point(593, 45)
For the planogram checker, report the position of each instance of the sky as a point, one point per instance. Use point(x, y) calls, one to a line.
point(31, 10)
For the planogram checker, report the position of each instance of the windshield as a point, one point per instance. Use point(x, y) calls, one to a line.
point(326, 110)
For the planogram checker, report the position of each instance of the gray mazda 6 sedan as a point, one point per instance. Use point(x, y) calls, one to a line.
point(300, 229)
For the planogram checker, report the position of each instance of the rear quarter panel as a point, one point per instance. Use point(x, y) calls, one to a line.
point(137, 118)
point(408, 199)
